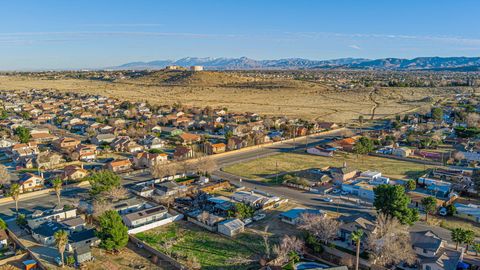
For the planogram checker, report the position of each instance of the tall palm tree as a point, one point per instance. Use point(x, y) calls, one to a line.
point(468, 239)
point(61, 239)
point(356, 237)
point(57, 186)
point(457, 236)
point(14, 192)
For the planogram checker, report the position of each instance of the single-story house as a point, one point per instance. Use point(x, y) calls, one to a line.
point(293, 216)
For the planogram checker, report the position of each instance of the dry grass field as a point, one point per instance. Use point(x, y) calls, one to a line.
point(272, 96)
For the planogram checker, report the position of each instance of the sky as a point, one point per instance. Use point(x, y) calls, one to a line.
point(64, 34)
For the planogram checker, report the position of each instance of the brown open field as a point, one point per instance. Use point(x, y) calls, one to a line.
point(272, 96)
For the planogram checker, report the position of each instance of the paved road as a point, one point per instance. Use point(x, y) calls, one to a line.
point(42, 202)
point(309, 199)
point(263, 151)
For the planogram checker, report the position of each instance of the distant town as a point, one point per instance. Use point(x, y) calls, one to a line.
point(89, 180)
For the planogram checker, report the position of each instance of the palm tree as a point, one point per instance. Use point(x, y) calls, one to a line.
point(476, 247)
point(457, 236)
point(61, 239)
point(468, 238)
point(356, 237)
point(57, 186)
point(14, 192)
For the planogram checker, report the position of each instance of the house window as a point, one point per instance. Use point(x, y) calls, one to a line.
point(427, 267)
point(424, 251)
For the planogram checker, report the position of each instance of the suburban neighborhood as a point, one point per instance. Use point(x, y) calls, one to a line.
point(106, 175)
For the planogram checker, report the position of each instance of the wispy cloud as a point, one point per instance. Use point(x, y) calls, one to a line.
point(28, 38)
point(355, 47)
point(445, 39)
point(122, 25)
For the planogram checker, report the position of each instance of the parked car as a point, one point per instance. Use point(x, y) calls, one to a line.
point(336, 191)
point(58, 261)
point(247, 221)
point(327, 199)
point(259, 217)
point(345, 193)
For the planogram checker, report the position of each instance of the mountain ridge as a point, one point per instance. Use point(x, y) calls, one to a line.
point(244, 63)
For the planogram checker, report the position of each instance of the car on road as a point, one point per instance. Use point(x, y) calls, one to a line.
point(259, 217)
point(327, 199)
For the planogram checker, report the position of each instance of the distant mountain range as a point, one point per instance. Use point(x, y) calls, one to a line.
point(244, 63)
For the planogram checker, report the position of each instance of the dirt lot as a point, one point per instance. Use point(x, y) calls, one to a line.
point(126, 259)
point(273, 97)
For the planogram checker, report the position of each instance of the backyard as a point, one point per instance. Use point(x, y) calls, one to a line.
point(187, 242)
point(265, 169)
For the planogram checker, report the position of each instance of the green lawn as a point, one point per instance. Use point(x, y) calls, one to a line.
point(211, 250)
point(262, 168)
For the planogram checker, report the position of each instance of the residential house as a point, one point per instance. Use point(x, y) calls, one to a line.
point(86, 152)
point(47, 160)
point(189, 138)
point(433, 252)
point(106, 138)
point(170, 188)
point(65, 144)
point(119, 166)
point(183, 152)
point(467, 211)
point(55, 214)
point(152, 142)
point(82, 238)
point(74, 224)
point(148, 160)
point(321, 151)
point(30, 182)
point(214, 148)
point(45, 232)
point(341, 174)
point(353, 223)
point(402, 152)
point(73, 172)
point(293, 216)
point(145, 216)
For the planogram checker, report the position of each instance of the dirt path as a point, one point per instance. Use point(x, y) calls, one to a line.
point(376, 103)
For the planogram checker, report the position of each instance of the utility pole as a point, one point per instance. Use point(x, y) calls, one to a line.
point(276, 169)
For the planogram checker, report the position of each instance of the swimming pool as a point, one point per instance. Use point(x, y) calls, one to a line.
point(309, 265)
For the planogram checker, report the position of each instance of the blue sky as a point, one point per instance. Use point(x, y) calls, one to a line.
point(52, 34)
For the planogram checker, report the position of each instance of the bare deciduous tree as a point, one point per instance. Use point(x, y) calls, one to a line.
point(4, 175)
point(204, 216)
point(287, 245)
point(472, 119)
point(115, 194)
point(390, 243)
point(320, 226)
point(100, 207)
point(184, 166)
point(205, 165)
